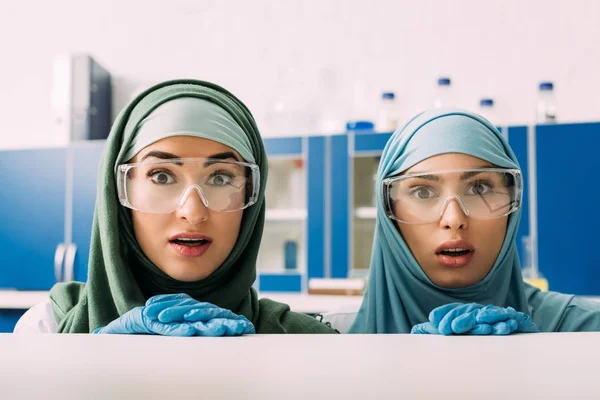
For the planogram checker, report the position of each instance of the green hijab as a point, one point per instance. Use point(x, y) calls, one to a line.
point(120, 276)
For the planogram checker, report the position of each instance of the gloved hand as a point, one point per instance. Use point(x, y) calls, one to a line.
point(475, 319)
point(166, 315)
point(519, 322)
point(206, 318)
point(451, 318)
point(134, 321)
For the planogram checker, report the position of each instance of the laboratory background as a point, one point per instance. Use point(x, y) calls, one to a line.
point(327, 81)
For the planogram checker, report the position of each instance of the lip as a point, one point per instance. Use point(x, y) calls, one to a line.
point(190, 235)
point(455, 244)
point(455, 261)
point(190, 251)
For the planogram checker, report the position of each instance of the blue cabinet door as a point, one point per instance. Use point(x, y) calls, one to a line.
point(86, 160)
point(567, 169)
point(8, 319)
point(32, 211)
point(517, 137)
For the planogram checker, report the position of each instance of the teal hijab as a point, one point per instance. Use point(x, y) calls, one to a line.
point(399, 294)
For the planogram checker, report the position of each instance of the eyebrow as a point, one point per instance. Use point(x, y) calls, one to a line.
point(170, 156)
point(220, 156)
point(436, 178)
point(469, 174)
point(162, 155)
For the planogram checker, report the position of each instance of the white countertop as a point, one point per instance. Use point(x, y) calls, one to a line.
point(14, 299)
point(529, 366)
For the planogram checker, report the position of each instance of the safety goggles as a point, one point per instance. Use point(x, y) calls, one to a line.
point(160, 187)
point(481, 193)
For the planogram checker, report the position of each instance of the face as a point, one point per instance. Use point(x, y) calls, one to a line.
point(170, 240)
point(432, 243)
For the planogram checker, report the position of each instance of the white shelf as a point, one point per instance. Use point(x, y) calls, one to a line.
point(286, 214)
point(366, 212)
point(314, 303)
point(21, 300)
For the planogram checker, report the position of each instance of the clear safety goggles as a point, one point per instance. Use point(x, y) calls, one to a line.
point(160, 187)
point(481, 193)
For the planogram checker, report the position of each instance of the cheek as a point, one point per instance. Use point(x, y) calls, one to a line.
point(147, 228)
point(228, 225)
point(494, 232)
point(415, 235)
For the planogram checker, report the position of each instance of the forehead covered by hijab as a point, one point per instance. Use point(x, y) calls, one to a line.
point(188, 116)
point(444, 131)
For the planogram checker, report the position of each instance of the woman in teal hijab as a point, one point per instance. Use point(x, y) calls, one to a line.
point(448, 208)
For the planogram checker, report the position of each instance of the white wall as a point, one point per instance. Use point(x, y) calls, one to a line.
point(499, 49)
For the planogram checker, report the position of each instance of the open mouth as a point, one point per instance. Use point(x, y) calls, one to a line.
point(455, 252)
point(190, 242)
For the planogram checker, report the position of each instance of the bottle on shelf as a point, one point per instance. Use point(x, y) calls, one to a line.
point(530, 270)
point(296, 186)
point(487, 110)
point(387, 118)
point(546, 104)
point(443, 97)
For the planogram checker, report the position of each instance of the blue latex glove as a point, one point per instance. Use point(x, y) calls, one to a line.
point(475, 319)
point(455, 318)
point(165, 315)
point(134, 321)
point(452, 318)
point(425, 328)
point(517, 321)
point(213, 323)
point(168, 308)
point(206, 318)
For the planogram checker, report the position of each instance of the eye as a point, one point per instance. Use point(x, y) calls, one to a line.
point(161, 177)
point(479, 188)
point(422, 193)
point(220, 179)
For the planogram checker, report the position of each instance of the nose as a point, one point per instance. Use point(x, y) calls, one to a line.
point(193, 206)
point(453, 217)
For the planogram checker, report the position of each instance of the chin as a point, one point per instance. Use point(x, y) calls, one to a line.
point(454, 282)
point(185, 274)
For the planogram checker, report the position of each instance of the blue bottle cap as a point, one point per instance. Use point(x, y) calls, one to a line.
point(546, 86)
point(444, 82)
point(486, 102)
point(388, 96)
point(360, 126)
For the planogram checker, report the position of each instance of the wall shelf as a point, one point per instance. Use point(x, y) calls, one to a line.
point(284, 215)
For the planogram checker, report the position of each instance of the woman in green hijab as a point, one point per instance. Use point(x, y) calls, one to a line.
point(448, 208)
point(178, 222)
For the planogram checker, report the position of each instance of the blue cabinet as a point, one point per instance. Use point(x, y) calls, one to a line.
point(85, 160)
point(353, 161)
point(32, 214)
point(8, 319)
point(48, 200)
point(517, 138)
point(296, 217)
point(568, 216)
